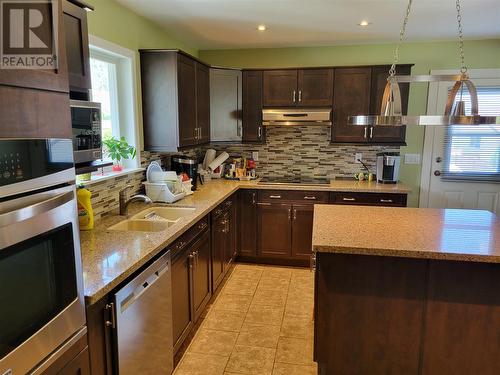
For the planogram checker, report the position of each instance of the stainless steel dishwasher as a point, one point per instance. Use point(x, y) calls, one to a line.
point(144, 322)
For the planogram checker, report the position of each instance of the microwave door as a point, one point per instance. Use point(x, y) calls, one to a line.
point(41, 286)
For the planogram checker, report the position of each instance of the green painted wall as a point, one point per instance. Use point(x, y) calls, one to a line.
point(425, 56)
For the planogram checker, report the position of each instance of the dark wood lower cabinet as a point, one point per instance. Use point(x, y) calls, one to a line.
point(302, 226)
point(389, 315)
point(275, 234)
point(201, 269)
point(247, 217)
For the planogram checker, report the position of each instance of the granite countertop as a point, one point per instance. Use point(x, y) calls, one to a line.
point(449, 234)
point(109, 257)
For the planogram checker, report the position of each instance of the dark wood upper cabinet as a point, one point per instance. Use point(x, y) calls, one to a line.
point(202, 103)
point(303, 87)
point(186, 80)
point(175, 100)
point(42, 79)
point(351, 96)
point(275, 231)
point(280, 88)
point(253, 131)
point(248, 222)
point(315, 87)
point(77, 48)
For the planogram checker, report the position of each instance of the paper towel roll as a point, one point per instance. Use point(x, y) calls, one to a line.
point(218, 161)
point(209, 157)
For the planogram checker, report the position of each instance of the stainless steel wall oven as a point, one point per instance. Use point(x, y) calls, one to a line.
point(41, 285)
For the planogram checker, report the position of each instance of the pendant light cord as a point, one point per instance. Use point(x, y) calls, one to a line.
point(463, 67)
point(402, 32)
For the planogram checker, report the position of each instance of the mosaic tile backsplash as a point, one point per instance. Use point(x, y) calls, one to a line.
point(289, 151)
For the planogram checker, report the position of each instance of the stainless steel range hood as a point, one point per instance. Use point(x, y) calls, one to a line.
point(297, 117)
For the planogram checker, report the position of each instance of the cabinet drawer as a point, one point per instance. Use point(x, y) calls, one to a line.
point(293, 195)
point(369, 199)
point(196, 230)
point(224, 206)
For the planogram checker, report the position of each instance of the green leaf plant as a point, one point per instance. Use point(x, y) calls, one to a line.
point(119, 149)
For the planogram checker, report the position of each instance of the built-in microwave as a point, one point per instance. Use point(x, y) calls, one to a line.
point(42, 309)
point(87, 132)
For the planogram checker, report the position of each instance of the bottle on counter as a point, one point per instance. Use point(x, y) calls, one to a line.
point(85, 212)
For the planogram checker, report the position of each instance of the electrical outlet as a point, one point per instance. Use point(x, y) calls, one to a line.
point(255, 155)
point(412, 158)
point(357, 157)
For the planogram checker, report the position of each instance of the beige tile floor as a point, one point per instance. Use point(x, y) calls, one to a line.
point(261, 323)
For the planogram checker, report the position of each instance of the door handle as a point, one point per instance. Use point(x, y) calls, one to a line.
point(253, 199)
point(300, 96)
point(310, 198)
point(263, 204)
point(260, 132)
point(371, 132)
point(349, 199)
point(366, 132)
point(275, 196)
point(386, 201)
point(195, 133)
point(313, 262)
point(293, 96)
point(111, 308)
point(289, 214)
point(439, 159)
point(294, 214)
point(437, 173)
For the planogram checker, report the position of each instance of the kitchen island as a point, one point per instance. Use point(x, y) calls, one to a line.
point(406, 291)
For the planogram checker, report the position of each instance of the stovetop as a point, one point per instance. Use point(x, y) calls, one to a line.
point(294, 180)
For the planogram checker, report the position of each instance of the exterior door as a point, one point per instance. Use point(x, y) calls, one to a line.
point(275, 234)
point(470, 151)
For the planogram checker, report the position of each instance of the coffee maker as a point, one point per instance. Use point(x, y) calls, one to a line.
point(388, 167)
point(180, 164)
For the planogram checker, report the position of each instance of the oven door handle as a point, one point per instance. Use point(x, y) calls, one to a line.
point(35, 209)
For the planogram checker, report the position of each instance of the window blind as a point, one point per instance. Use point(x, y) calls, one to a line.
point(473, 152)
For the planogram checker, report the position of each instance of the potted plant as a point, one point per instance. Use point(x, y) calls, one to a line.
point(118, 149)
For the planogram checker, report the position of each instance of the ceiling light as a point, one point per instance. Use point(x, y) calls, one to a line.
point(364, 23)
point(262, 27)
point(390, 111)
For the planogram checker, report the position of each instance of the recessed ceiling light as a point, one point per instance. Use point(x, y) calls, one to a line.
point(262, 27)
point(364, 23)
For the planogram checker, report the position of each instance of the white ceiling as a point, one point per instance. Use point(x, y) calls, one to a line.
point(216, 24)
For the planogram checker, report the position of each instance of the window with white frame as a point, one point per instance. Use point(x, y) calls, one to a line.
point(473, 152)
point(112, 69)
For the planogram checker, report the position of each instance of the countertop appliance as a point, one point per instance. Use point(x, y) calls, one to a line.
point(296, 116)
point(87, 131)
point(42, 309)
point(307, 181)
point(180, 164)
point(143, 323)
point(388, 167)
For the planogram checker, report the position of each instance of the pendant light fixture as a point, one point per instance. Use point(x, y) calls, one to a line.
point(390, 111)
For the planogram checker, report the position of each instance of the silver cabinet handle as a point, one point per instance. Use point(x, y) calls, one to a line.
point(300, 96)
point(195, 133)
point(386, 201)
point(294, 99)
point(349, 199)
point(294, 214)
point(371, 132)
point(310, 198)
point(289, 214)
point(111, 308)
point(263, 204)
point(366, 132)
point(253, 199)
point(313, 262)
point(259, 134)
point(275, 196)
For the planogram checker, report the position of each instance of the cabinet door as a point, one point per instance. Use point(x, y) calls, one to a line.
point(248, 223)
point(42, 79)
point(225, 105)
point(77, 46)
point(351, 97)
point(315, 87)
point(280, 88)
point(79, 365)
point(201, 273)
point(230, 248)
point(186, 81)
point(388, 134)
point(218, 249)
point(275, 235)
point(302, 225)
point(181, 301)
point(202, 103)
point(252, 106)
